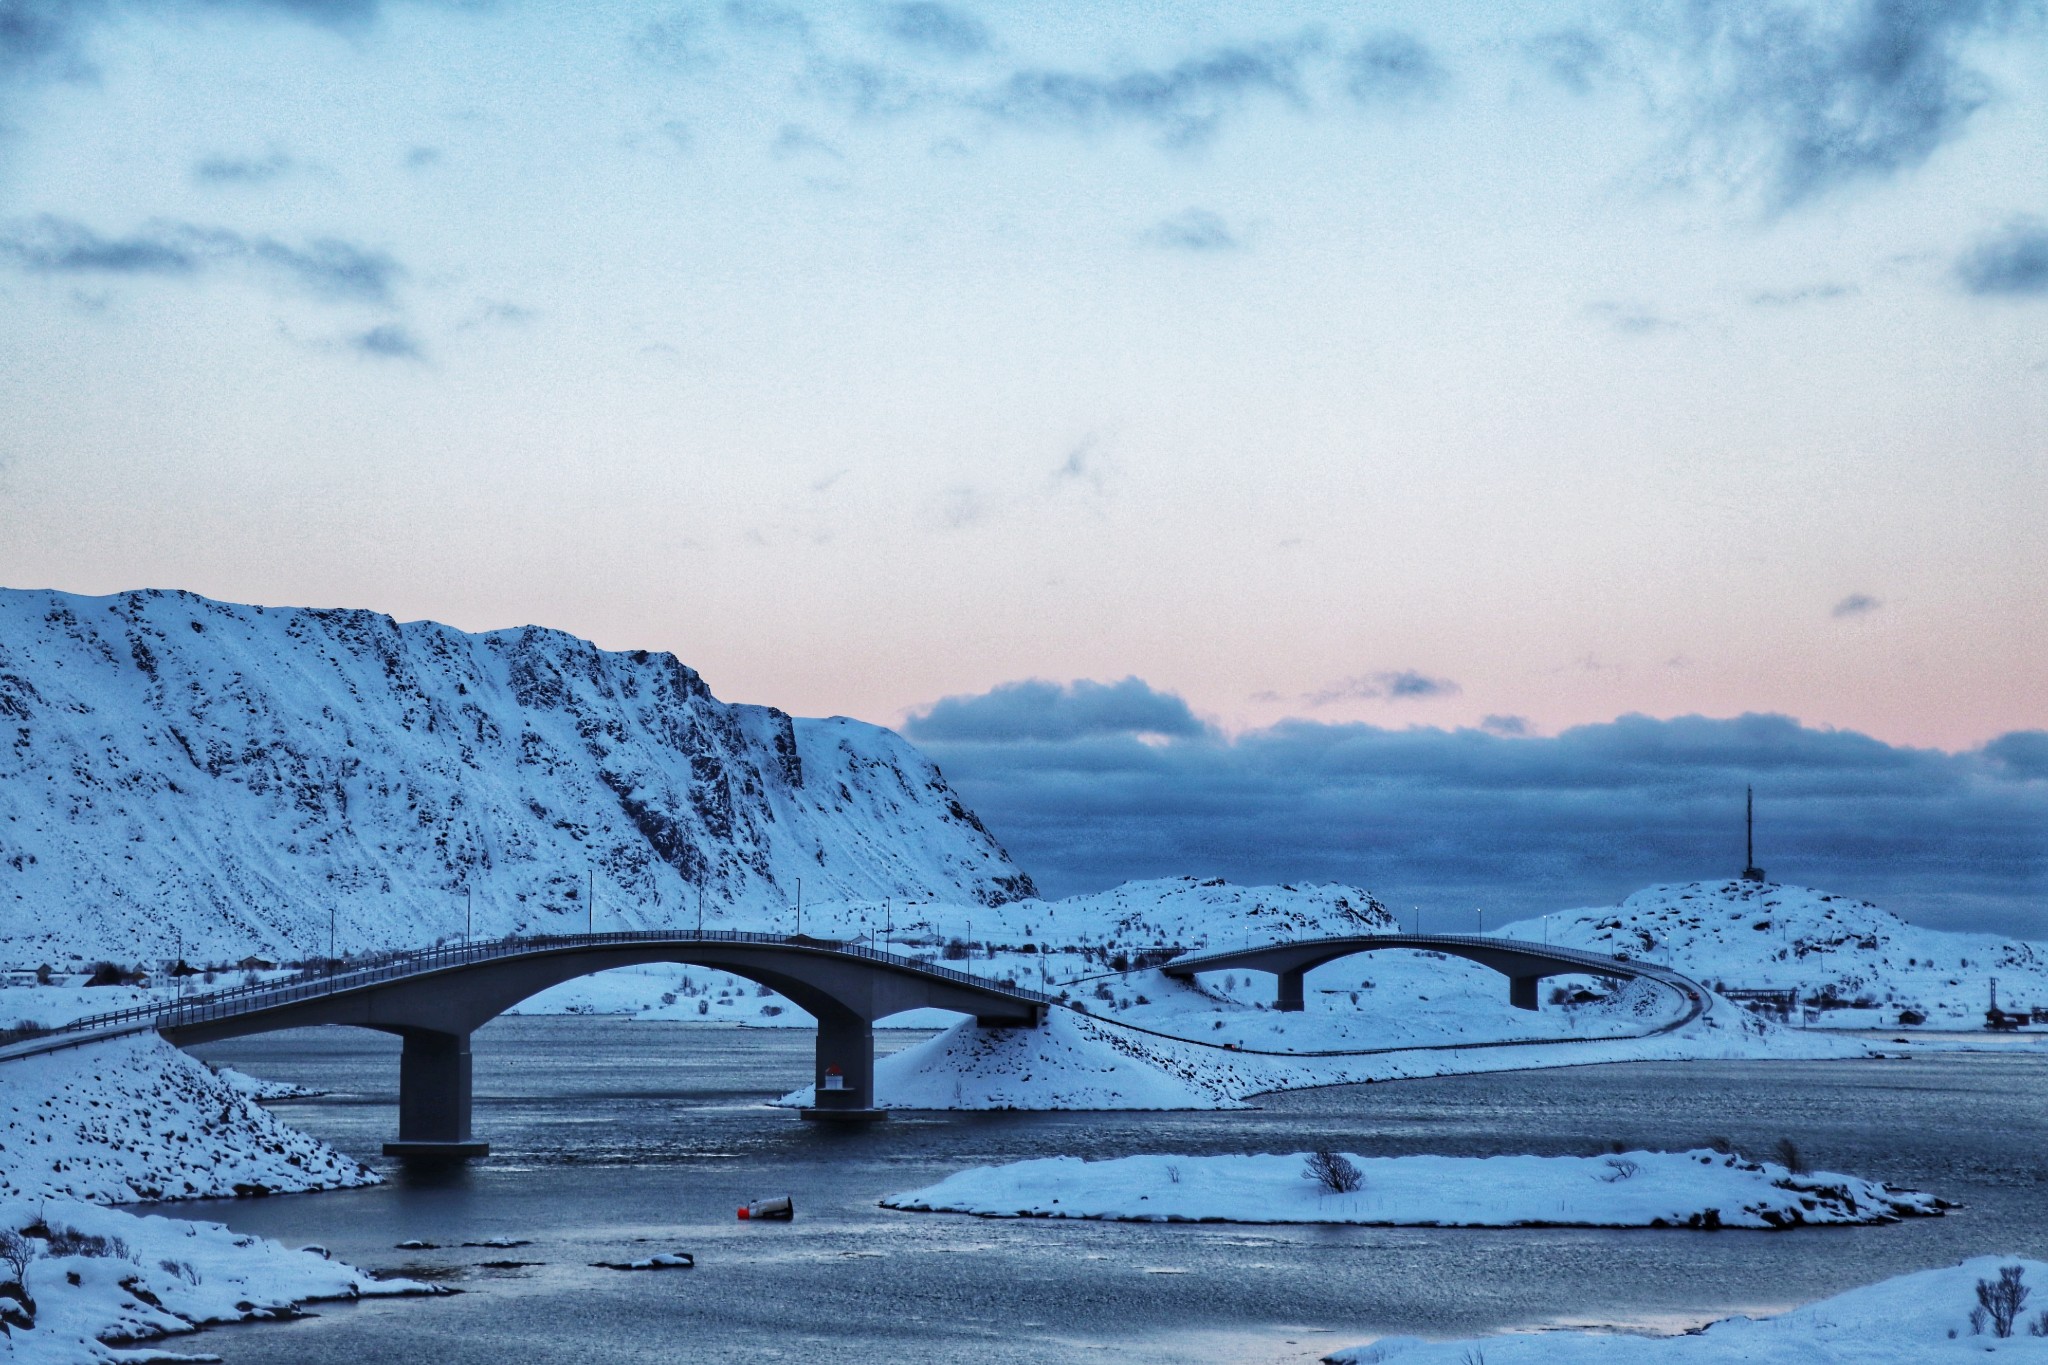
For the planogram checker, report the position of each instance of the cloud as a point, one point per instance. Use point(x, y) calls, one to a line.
point(58, 246)
point(1800, 98)
point(2023, 754)
point(1403, 685)
point(794, 140)
point(497, 313)
point(960, 506)
point(768, 20)
point(388, 341)
point(1390, 68)
point(39, 37)
point(937, 29)
point(1193, 230)
point(1524, 823)
point(1634, 319)
point(236, 170)
point(2013, 262)
point(1083, 468)
point(1855, 604)
point(325, 266)
point(1506, 725)
point(1186, 101)
point(1573, 58)
point(1036, 710)
point(1792, 298)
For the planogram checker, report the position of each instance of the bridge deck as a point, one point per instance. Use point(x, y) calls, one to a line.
point(315, 984)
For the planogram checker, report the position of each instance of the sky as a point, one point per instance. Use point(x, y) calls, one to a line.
point(1430, 386)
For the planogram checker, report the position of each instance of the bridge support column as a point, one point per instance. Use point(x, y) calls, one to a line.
point(845, 1072)
point(433, 1098)
point(1522, 991)
point(1289, 997)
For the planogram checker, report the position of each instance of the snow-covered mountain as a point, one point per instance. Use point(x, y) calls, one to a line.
point(1829, 948)
point(180, 773)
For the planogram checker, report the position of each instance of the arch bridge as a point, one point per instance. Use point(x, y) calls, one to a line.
point(434, 1000)
point(1523, 964)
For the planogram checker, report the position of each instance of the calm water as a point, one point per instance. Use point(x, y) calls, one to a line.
point(613, 1139)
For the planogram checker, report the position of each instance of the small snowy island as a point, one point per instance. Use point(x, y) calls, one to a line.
point(1697, 1189)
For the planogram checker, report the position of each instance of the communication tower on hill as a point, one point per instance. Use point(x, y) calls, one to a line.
point(1750, 872)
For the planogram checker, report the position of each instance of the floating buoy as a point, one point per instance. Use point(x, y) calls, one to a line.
point(774, 1210)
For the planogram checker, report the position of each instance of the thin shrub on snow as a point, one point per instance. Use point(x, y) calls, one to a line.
point(2001, 1300)
point(1332, 1170)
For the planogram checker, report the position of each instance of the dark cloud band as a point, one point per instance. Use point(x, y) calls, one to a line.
point(1456, 818)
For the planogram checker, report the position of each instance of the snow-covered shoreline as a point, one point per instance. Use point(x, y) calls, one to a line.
point(101, 1280)
point(1930, 1315)
point(1695, 1189)
point(1080, 1061)
point(134, 1119)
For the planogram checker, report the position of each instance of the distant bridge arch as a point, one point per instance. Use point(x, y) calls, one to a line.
point(434, 1000)
point(1523, 964)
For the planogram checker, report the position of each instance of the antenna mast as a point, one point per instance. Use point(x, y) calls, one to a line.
point(1750, 871)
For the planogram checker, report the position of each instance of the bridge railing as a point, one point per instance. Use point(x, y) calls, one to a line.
point(315, 984)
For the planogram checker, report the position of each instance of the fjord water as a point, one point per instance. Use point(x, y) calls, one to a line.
point(614, 1139)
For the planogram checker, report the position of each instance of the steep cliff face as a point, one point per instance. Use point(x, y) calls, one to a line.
point(176, 771)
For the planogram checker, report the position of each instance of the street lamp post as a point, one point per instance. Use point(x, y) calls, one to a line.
point(799, 905)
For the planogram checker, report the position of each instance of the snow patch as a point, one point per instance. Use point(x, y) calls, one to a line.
point(1698, 1189)
point(1909, 1320)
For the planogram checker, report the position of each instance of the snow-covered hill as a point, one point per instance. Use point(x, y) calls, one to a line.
point(1829, 948)
point(178, 773)
point(135, 1119)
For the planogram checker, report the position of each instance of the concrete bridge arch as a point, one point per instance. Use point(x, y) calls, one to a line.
point(1523, 964)
point(434, 1001)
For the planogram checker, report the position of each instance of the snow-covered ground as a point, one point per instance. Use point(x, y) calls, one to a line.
point(1911, 1320)
point(136, 1119)
point(1829, 948)
point(102, 1279)
point(1699, 1189)
point(1078, 1061)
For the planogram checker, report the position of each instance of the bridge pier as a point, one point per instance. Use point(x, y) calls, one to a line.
point(434, 1098)
point(844, 1072)
point(1290, 994)
point(1522, 991)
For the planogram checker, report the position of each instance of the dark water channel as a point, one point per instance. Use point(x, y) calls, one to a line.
point(614, 1139)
